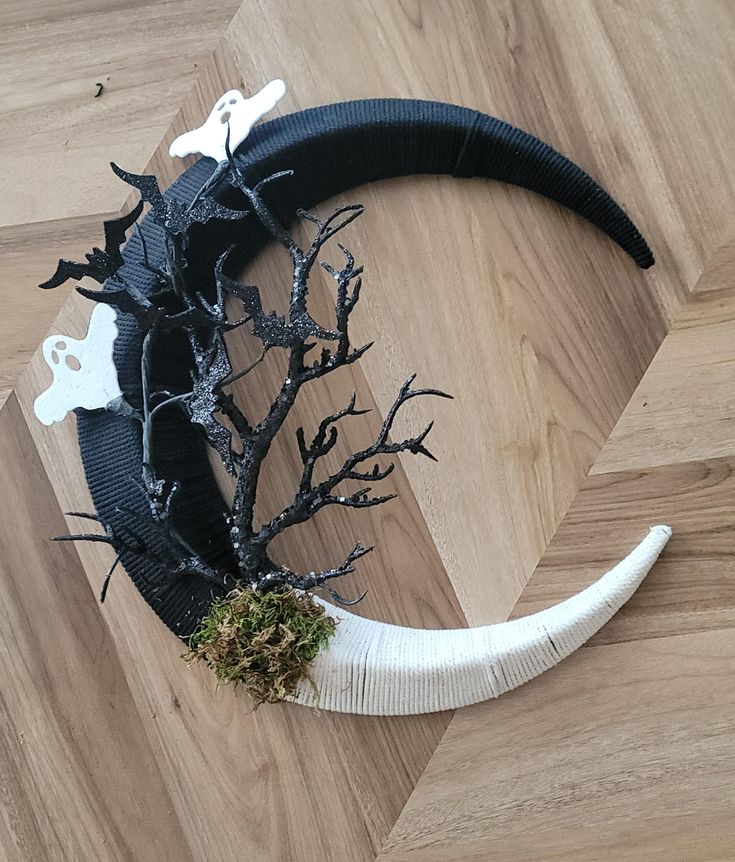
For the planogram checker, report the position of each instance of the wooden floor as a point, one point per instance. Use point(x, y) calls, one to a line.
point(591, 401)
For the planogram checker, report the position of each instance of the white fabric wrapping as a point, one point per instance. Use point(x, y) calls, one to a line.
point(373, 668)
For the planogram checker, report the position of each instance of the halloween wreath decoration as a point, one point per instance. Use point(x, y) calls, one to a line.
point(152, 399)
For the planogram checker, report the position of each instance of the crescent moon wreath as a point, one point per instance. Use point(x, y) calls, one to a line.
point(203, 563)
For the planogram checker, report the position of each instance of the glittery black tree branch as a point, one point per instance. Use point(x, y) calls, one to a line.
point(278, 577)
point(242, 442)
point(297, 332)
point(312, 497)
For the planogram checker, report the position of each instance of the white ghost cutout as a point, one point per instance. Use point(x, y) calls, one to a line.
point(232, 110)
point(84, 371)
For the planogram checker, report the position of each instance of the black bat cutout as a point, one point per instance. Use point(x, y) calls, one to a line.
point(272, 329)
point(128, 300)
point(212, 370)
point(100, 265)
point(176, 217)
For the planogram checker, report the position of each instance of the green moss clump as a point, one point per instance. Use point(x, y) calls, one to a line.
point(262, 641)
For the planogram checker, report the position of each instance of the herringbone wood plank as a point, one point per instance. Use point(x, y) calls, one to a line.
point(543, 331)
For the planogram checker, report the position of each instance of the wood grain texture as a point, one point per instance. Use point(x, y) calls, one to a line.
point(57, 135)
point(684, 404)
point(717, 274)
point(78, 778)
point(623, 752)
point(691, 588)
point(591, 401)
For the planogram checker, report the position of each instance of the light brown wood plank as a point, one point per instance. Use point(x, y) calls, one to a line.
point(58, 137)
point(78, 777)
point(718, 274)
point(684, 408)
point(691, 588)
point(28, 256)
point(705, 836)
point(677, 63)
point(622, 752)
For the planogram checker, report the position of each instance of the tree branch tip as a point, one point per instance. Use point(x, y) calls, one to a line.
point(340, 599)
point(86, 515)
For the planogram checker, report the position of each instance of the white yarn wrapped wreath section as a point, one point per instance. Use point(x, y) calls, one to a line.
point(373, 668)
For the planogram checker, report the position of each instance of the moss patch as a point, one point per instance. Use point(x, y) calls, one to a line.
point(262, 641)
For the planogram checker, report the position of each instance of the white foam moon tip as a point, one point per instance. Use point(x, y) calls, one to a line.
point(372, 668)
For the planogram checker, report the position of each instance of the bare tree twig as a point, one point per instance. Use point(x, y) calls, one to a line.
point(242, 443)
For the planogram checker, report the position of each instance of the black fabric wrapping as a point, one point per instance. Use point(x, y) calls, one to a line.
point(331, 149)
